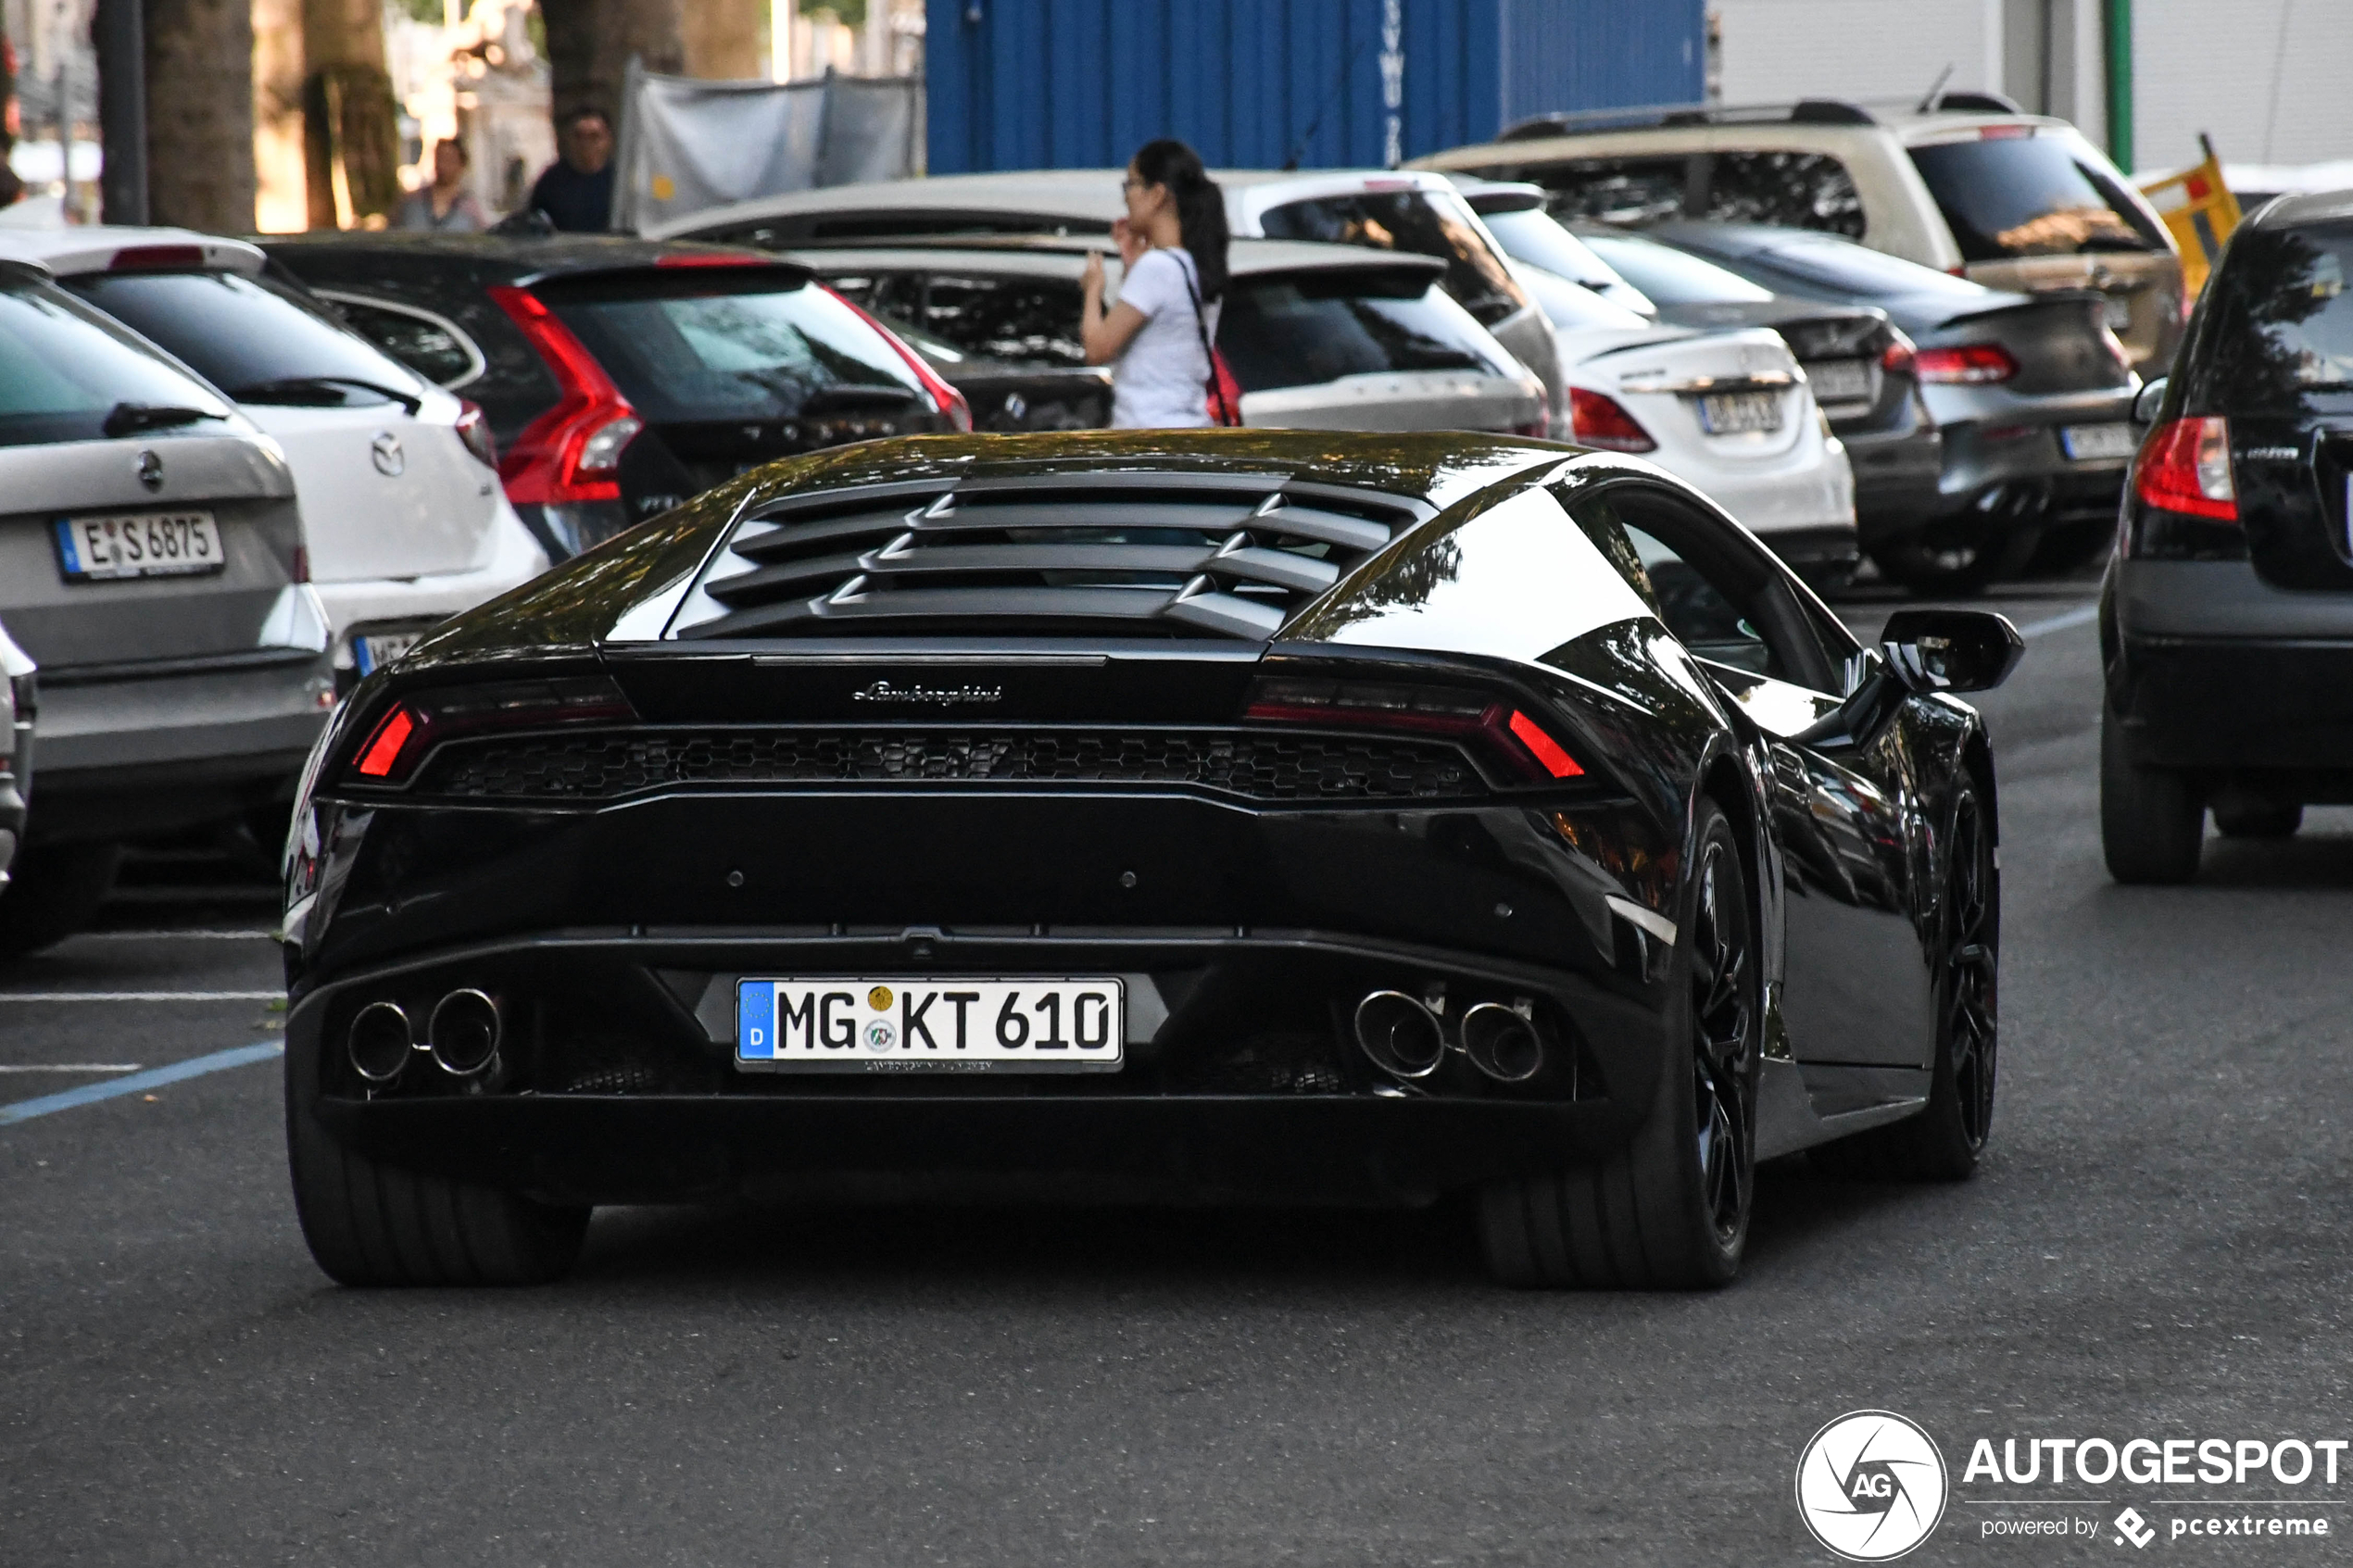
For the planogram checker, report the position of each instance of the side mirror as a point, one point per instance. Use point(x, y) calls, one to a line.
point(2145, 407)
point(1951, 650)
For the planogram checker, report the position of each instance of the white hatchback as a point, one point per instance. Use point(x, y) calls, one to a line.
point(402, 511)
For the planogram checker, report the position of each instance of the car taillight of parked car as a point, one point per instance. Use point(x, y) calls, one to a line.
point(2183, 505)
point(1972, 364)
point(1899, 358)
point(473, 429)
point(1595, 419)
point(568, 459)
point(950, 403)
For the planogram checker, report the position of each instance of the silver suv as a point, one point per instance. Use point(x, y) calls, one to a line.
point(1964, 183)
point(151, 562)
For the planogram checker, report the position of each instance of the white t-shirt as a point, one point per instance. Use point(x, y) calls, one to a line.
point(1161, 379)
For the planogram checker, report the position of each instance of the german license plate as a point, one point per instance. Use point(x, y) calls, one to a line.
point(2090, 443)
point(93, 549)
point(373, 653)
point(1740, 413)
point(1840, 381)
point(930, 1025)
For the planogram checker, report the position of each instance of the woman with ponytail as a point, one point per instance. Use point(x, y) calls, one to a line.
point(1156, 339)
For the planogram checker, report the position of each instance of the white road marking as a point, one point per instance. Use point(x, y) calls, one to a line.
point(141, 996)
point(178, 936)
point(70, 1067)
point(2076, 617)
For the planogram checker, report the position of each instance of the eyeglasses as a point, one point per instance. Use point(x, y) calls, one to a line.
point(1132, 184)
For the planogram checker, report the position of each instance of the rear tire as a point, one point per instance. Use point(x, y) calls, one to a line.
point(1942, 1142)
point(54, 890)
point(1934, 569)
point(2152, 819)
point(1671, 1210)
point(369, 1224)
point(2258, 818)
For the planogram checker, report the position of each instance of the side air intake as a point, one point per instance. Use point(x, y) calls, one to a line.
point(1128, 555)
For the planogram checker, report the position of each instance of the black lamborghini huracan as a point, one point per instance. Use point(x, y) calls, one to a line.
point(1141, 817)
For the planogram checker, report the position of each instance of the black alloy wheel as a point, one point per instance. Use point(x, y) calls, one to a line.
point(1670, 1209)
point(1943, 1141)
point(1723, 1053)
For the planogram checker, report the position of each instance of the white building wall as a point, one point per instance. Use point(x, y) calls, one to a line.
point(1772, 51)
point(2270, 80)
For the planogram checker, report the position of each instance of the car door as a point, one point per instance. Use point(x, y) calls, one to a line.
point(1857, 984)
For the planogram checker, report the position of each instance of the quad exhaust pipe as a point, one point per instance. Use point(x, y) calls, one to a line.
point(1404, 1038)
point(462, 1036)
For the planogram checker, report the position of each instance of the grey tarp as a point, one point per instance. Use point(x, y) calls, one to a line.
point(687, 144)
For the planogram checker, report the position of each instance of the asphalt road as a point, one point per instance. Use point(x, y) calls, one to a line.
point(2156, 1245)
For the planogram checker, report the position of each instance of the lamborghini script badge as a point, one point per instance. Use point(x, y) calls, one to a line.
point(937, 697)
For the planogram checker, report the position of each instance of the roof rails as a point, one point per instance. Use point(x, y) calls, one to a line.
point(1805, 111)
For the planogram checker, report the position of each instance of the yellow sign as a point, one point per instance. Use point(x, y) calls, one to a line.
point(2198, 208)
point(664, 187)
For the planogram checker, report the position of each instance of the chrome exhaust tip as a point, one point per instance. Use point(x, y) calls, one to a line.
point(1502, 1042)
point(1400, 1035)
point(463, 1032)
point(380, 1043)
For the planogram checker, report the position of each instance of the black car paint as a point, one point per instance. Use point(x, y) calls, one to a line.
point(614, 925)
point(2228, 647)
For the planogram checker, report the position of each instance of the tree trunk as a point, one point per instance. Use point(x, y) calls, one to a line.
point(722, 39)
point(589, 43)
point(199, 61)
point(280, 154)
point(11, 188)
point(351, 135)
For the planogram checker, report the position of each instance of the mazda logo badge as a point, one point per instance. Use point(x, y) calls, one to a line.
point(151, 471)
point(386, 450)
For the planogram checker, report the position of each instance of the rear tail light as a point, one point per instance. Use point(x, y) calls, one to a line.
point(1597, 420)
point(1506, 735)
point(572, 453)
point(417, 722)
point(949, 401)
point(1971, 364)
point(473, 429)
point(301, 569)
point(2185, 466)
point(1898, 358)
point(155, 258)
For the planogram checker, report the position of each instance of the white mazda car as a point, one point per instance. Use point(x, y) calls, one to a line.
point(402, 515)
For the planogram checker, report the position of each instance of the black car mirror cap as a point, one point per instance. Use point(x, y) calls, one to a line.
point(1951, 650)
point(2149, 400)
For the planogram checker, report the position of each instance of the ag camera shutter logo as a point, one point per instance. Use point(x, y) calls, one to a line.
point(1872, 1486)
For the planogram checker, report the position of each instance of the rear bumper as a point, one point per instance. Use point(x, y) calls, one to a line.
point(399, 603)
point(2210, 668)
point(1898, 477)
point(152, 752)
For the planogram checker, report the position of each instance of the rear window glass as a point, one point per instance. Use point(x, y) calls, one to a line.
point(257, 340)
point(1794, 190)
point(434, 351)
point(1029, 321)
point(2031, 196)
point(1424, 222)
point(2284, 324)
point(1531, 236)
point(1626, 191)
point(691, 350)
point(1671, 277)
point(63, 372)
point(1844, 269)
point(1571, 306)
point(1307, 328)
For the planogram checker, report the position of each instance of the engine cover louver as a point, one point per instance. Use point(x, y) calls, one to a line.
point(1134, 555)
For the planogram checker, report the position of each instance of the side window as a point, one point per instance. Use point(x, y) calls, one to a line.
point(434, 349)
point(1794, 190)
point(1631, 191)
point(1033, 320)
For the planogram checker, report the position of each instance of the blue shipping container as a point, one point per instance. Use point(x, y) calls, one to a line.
point(1263, 83)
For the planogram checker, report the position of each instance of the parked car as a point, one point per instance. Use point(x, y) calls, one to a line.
point(621, 376)
point(402, 511)
point(20, 704)
point(1964, 183)
point(1317, 336)
point(151, 561)
point(1858, 366)
point(2032, 394)
point(1187, 815)
point(1418, 214)
point(2226, 618)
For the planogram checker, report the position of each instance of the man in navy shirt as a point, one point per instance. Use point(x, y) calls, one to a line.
point(576, 191)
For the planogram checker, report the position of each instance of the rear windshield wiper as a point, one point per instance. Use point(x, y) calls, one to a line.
point(844, 398)
point(276, 391)
point(127, 418)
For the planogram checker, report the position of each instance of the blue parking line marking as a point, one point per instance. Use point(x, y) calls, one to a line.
point(195, 1067)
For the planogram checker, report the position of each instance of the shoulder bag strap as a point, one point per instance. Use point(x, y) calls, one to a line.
point(1201, 326)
